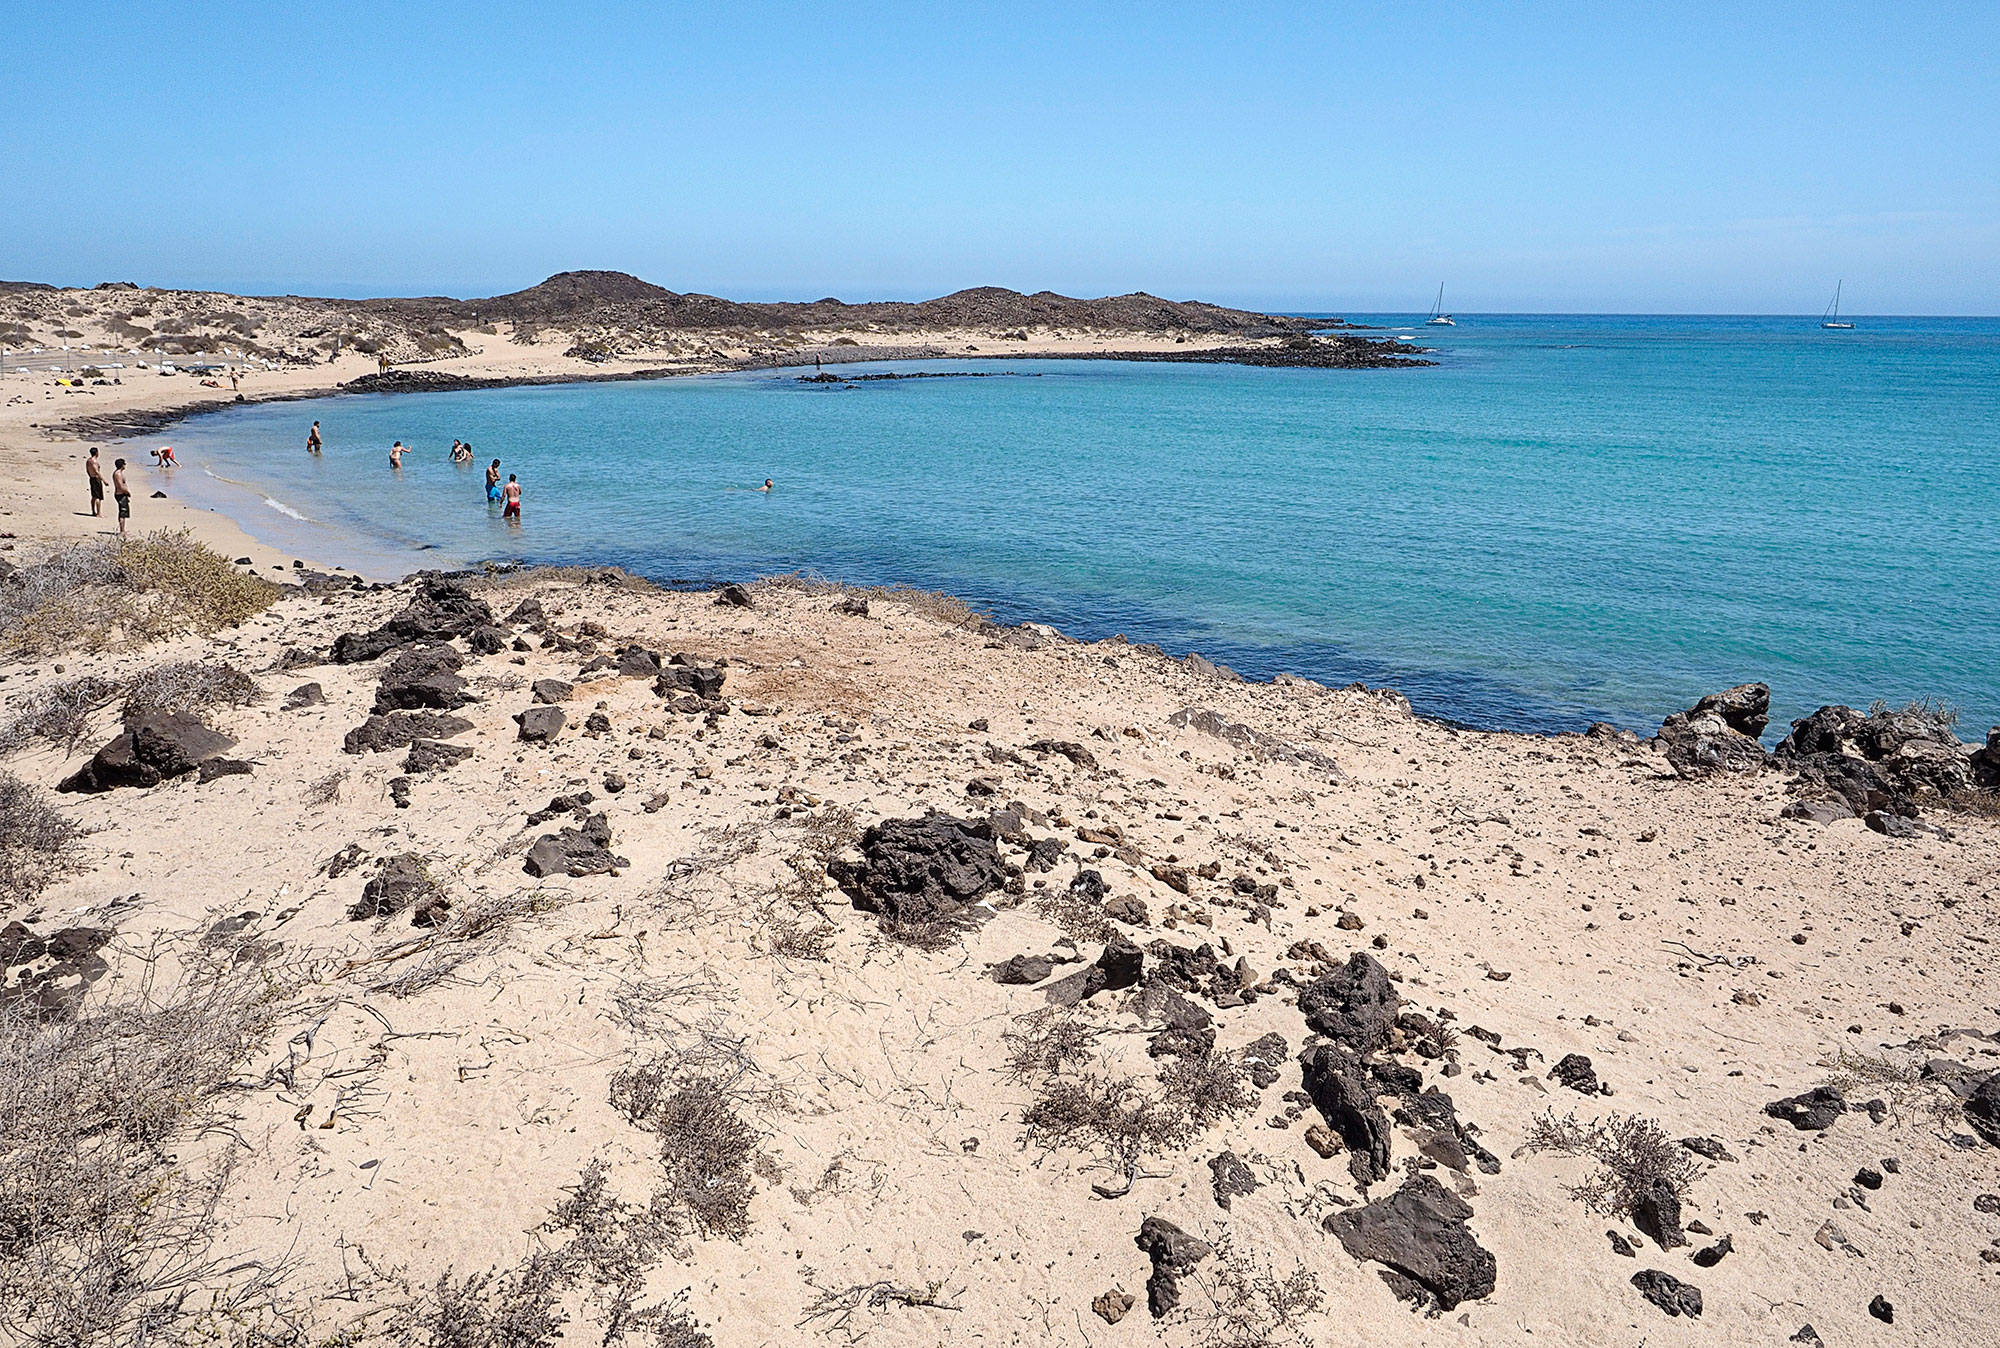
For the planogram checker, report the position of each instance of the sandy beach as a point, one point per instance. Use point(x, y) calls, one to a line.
point(973, 1067)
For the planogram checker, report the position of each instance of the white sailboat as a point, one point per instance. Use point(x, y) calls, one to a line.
point(1439, 318)
point(1831, 318)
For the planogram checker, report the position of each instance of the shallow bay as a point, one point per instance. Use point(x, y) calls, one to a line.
point(1570, 518)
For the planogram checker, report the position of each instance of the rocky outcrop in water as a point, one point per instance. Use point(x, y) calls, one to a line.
point(1716, 735)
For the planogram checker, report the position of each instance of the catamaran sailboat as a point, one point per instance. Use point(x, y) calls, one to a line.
point(1831, 318)
point(1439, 318)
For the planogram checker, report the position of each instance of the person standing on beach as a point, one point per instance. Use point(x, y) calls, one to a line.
point(512, 510)
point(312, 439)
point(123, 495)
point(396, 452)
point(94, 470)
point(493, 481)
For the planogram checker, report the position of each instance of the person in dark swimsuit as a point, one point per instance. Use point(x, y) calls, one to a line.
point(93, 470)
point(312, 439)
point(123, 495)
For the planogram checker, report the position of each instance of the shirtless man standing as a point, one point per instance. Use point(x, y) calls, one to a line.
point(94, 470)
point(122, 494)
point(512, 510)
point(312, 439)
point(493, 481)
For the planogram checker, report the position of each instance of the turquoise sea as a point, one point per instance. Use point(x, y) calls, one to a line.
point(1570, 518)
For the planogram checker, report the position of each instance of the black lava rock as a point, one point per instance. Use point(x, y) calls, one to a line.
point(922, 874)
point(1337, 1086)
point(1354, 1005)
point(1657, 1213)
point(1813, 1111)
point(440, 610)
point(1174, 1252)
point(1575, 1072)
point(1230, 1178)
point(1420, 1233)
point(397, 730)
point(154, 747)
point(1667, 1292)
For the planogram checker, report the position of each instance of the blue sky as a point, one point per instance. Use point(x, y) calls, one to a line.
point(1670, 158)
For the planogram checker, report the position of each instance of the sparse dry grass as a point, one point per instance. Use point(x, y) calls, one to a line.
point(107, 1201)
point(56, 713)
point(1632, 1153)
point(476, 927)
point(1249, 1304)
point(1900, 1081)
point(190, 686)
point(38, 843)
point(1050, 1040)
point(796, 925)
point(323, 791)
point(103, 593)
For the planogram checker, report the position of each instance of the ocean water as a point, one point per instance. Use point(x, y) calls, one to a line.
point(1568, 519)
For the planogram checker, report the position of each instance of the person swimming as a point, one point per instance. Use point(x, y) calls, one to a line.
point(767, 485)
point(493, 481)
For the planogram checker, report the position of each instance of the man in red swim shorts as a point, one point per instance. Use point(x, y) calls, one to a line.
point(512, 495)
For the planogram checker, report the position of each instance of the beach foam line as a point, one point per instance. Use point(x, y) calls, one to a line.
point(284, 509)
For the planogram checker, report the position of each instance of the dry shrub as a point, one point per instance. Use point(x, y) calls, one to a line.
point(109, 1218)
point(72, 598)
point(1124, 1120)
point(1077, 913)
point(190, 686)
point(38, 843)
point(1632, 1154)
point(1249, 1305)
point(56, 713)
point(1900, 1081)
point(1049, 1040)
point(1976, 803)
point(607, 1247)
point(706, 1147)
point(1206, 1088)
point(321, 792)
point(196, 589)
point(96, 594)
